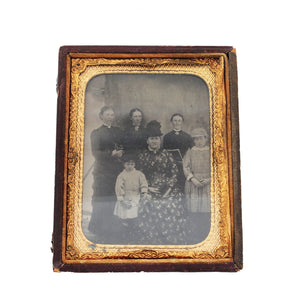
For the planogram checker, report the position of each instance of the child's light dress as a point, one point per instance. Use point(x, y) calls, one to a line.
point(129, 186)
point(196, 163)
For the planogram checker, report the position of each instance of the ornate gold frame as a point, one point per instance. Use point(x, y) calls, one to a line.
point(213, 69)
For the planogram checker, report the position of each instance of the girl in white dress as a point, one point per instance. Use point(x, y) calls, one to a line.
point(131, 184)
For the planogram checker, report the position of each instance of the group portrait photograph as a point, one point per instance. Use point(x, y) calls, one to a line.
point(147, 159)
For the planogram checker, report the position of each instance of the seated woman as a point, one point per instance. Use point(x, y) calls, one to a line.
point(161, 214)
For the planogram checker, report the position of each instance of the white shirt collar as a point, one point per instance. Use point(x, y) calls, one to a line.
point(176, 131)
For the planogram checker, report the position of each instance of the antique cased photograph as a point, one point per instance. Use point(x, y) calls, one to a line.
point(147, 161)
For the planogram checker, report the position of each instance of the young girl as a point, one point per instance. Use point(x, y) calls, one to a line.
point(196, 167)
point(130, 185)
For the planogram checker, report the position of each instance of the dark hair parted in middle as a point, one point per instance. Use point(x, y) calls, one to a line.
point(104, 109)
point(127, 157)
point(177, 114)
point(134, 110)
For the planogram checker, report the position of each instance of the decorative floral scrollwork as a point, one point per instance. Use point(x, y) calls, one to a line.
point(145, 253)
point(78, 65)
point(211, 69)
point(71, 253)
point(222, 252)
point(219, 154)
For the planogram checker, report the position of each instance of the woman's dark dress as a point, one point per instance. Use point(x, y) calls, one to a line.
point(106, 169)
point(182, 141)
point(134, 140)
point(178, 140)
point(161, 220)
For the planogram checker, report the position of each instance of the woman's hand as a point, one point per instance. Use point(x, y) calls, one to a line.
point(117, 153)
point(126, 203)
point(166, 194)
point(153, 190)
point(205, 181)
point(196, 182)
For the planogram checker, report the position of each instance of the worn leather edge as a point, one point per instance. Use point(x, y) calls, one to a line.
point(59, 162)
point(146, 49)
point(150, 267)
point(236, 173)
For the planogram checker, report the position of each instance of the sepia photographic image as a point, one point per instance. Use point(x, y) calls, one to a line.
point(146, 159)
point(147, 169)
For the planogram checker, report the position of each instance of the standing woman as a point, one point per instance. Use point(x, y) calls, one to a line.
point(180, 140)
point(134, 133)
point(161, 213)
point(107, 151)
point(177, 138)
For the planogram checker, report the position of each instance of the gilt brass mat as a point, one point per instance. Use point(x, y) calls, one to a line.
point(212, 68)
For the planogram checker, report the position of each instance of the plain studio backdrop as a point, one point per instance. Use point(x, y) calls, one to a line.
point(265, 34)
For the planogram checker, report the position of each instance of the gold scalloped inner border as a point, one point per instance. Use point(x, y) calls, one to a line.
point(212, 68)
